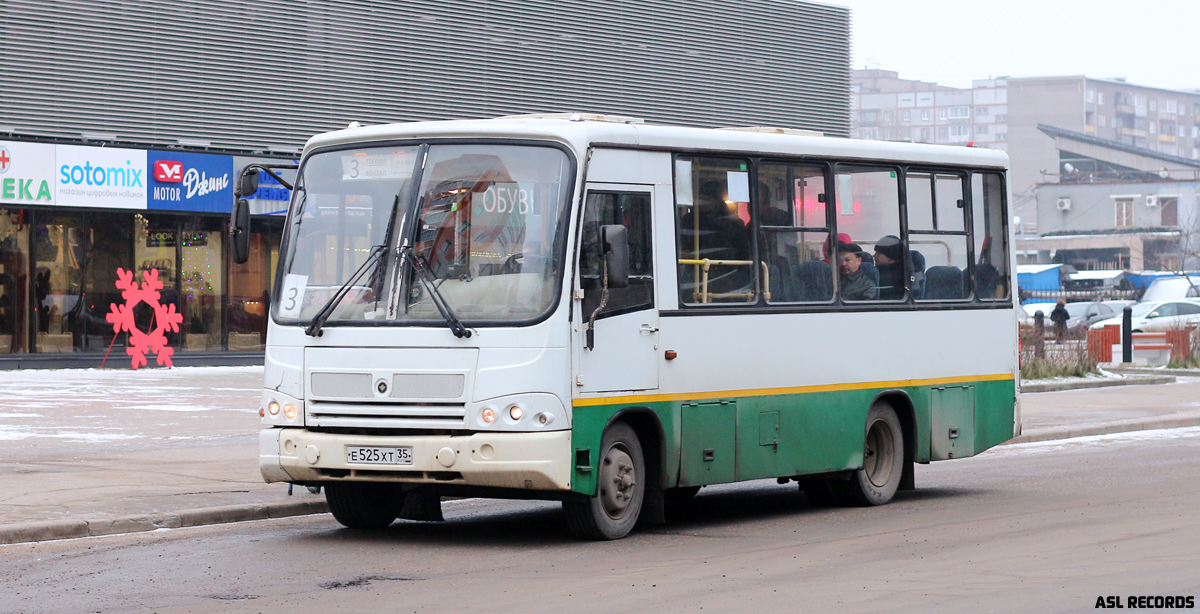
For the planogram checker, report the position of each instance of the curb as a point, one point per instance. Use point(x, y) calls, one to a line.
point(1099, 383)
point(1156, 371)
point(68, 529)
point(1108, 428)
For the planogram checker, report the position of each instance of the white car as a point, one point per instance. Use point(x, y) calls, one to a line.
point(1032, 308)
point(1159, 316)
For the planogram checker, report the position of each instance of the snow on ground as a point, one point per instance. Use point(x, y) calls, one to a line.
point(123, 405)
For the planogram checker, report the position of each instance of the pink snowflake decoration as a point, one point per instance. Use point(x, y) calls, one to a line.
point(165, 318)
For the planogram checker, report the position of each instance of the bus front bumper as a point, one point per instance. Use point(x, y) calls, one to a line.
point(529, 461)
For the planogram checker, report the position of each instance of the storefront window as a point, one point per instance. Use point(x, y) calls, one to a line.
point(76, 271)
point(201, 281)
point(14, 273)
point(155, 245)
point(250, 285)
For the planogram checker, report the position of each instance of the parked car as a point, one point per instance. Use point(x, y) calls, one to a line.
point(1081, 314)
point(1084, 315)
point(1169, 288)
point(1032, 308)
point(1158, 316)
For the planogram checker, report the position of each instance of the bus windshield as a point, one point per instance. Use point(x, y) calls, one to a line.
point(484, 219)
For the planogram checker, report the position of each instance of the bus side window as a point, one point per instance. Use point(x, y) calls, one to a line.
point(632, 210)
point(713, 232)
point(793, 230)
point(936, 230)
point(990, 236)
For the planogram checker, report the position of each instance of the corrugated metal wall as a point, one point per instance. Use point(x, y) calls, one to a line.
point(252, 75)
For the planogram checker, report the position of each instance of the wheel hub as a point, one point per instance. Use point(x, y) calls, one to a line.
point(617, 481)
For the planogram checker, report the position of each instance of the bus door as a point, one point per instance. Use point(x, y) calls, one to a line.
point(623, 349)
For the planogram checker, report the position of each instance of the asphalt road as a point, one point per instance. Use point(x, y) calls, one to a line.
point(1042, 527)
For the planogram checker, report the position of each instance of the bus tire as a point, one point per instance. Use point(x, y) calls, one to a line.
point(620, 488)
point(883, 460)
point(362, 505)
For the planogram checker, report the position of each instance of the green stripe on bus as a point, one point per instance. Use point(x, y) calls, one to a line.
point(777, 435)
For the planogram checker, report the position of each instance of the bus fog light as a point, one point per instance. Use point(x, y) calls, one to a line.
point(289, 411)
point(545, 418)
point(515, 412)
point(273, 407)
point(488, 415)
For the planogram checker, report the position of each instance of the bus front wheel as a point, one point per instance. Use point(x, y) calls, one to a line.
point(883, 461)
point(620, 488)
point(361, 505)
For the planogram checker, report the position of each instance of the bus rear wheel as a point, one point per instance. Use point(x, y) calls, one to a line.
point(620, 488)
point(361, 505)
point(883, 461)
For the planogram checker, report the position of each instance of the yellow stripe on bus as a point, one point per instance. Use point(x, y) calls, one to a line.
point(762, 392)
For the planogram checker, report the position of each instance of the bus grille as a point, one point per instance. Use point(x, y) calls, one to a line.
point(385, 416)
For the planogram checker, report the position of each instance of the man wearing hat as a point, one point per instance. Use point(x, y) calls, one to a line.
point(856, 284)
point(889, 258)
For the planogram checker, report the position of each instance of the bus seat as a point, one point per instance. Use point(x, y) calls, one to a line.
point(918, 274)
point(944, 282)
point(813, 281)
point(987, 279)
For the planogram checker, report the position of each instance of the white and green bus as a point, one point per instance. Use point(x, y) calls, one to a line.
point(613, 314)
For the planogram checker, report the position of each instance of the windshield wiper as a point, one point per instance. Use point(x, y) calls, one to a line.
point(435, 296)
point(314, 327)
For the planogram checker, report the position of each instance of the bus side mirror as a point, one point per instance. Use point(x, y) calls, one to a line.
point(239, 231)
point(616, 251)
point(248, 182)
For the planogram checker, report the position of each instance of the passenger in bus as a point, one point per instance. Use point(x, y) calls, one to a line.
point(889, 260)
point(855, 282)
point(842, 239)
point(720, 235)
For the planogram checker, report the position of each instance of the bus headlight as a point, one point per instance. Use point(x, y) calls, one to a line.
point(528, 412)
point(273, 407)
point(289, 411)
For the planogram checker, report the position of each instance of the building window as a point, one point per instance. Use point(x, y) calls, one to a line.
point(942, 114)
point(1099, 97)
point(924, 115)
point(960, 130)
point(1172, 106)
point(1002, 136)
point(981, 129)
point(981, 111)
point(943, 133)
point(888, 116)
point(1103, 121)
point(1169, 208)
point(1089, 95)
point(906, 116)
point(1001, 118)
point(1124, 218)
point(960, 112)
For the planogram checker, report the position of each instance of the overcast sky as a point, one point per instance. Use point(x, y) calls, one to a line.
point(1149, 42)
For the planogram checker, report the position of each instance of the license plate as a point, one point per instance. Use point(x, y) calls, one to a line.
point(376, 455)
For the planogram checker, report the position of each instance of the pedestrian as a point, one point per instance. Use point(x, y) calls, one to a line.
point(1060, 316)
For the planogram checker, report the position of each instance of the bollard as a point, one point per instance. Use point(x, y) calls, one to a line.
point(1127, 335)
point(1039, 334)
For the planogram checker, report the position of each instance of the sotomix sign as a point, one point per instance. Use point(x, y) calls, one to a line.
point(101, 177)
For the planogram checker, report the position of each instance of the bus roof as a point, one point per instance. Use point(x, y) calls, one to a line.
point(601, 131)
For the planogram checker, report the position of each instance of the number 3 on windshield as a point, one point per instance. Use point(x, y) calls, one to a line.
point(292, 295)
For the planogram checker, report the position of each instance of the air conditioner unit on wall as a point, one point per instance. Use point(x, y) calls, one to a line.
point(1064, 204)
point(1151, 200)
